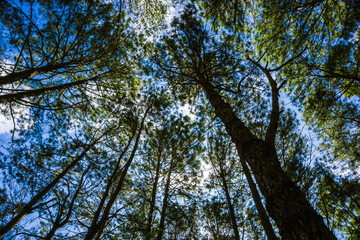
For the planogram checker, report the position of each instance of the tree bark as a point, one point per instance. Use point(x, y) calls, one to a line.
point(264, 218)
point(153, 199)
point(285, 202)
point(59, 222)
point(165, 203)
point(110, 183)
point(229, 203)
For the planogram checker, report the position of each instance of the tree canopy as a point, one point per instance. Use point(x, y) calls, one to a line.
point(207, 119)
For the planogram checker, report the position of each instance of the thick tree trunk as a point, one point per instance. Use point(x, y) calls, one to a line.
point(285, 202)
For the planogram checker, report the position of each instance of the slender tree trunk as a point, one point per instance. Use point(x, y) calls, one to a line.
point(29, 206)
point(243, 233)
point(264, 218)
point(285, 202)
point(59, 222)
point(153, 199)
point(229, 203)
point(52, 231)
point(97, 228)
point(165, 203)
point(111, 180)
point(190, 235)
point(16, 76)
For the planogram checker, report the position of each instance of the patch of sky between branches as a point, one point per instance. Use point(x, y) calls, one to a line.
point(340, 169)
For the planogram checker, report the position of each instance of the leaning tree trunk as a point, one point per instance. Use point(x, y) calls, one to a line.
point(93, 227)
point(285, 202)
point(28, 208)
point(59, 222)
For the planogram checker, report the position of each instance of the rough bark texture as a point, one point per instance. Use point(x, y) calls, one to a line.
point(285, 202)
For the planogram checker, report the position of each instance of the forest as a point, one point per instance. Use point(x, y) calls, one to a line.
point(170, 119)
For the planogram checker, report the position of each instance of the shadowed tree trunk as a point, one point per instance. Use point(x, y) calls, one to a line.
point(229, 201)
point(16, 76)
point(285, 202)
point(110, 183)
point(195, 58)
point(153, 197)
point(165, 202)
point(264, 218)
point(41, 91)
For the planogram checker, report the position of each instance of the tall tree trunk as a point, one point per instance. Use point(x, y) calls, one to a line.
point(190, 235)
point(229, 202)
point(153, 199)
point(285, 202)
point(110, 183)
point(97, 227)
point(165, 203)
point(29, 206)
point(51, 67)
point(264, 218)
